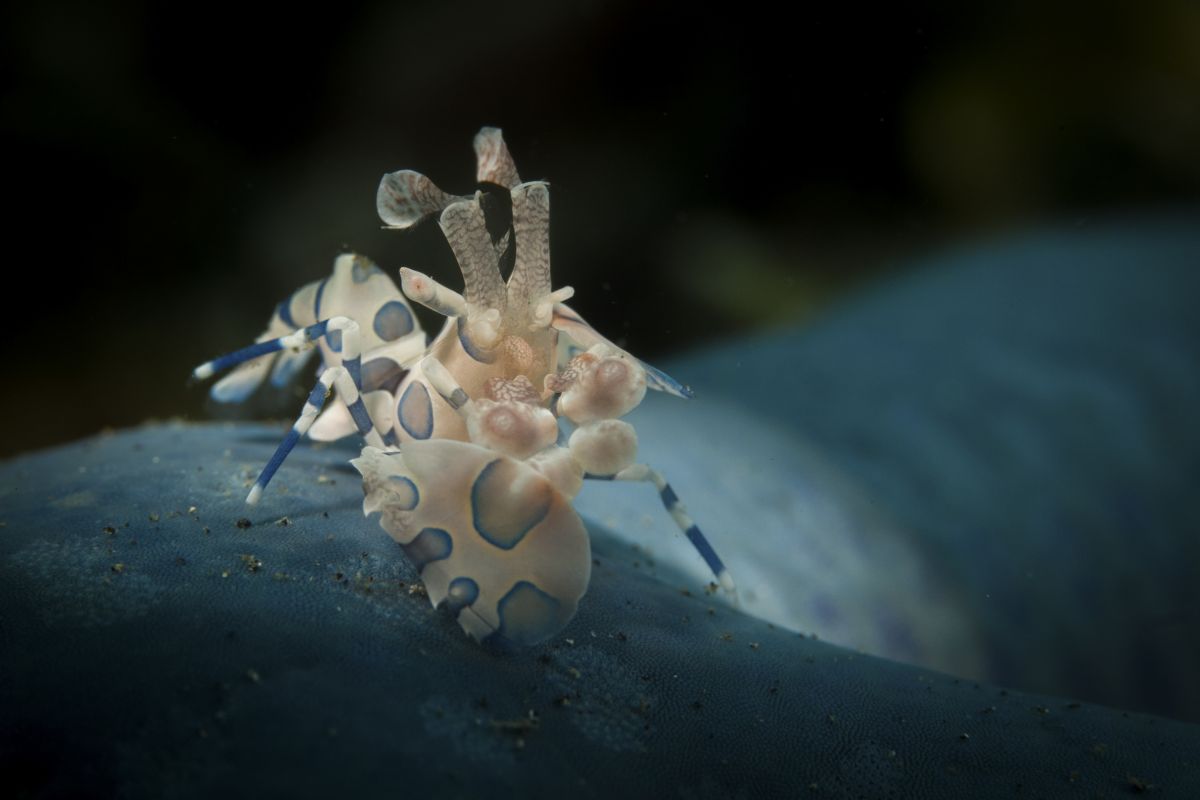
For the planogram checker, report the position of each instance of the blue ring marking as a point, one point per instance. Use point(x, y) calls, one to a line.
point(705, 549)
point(354, 367)
point(669, 498)
point(362, 420)
point(527, 614)
point(317, 299)
point(407, 494)
point(431, 544)
point(285, 311)
point(316, 330)
point(392, 321)
point(317, 396)
point(499, 517)
point(363, 268)
point(277, 458)
point(382, 373)
point(224, 362)
point(334, 340)
point(415, 411)
point(461, 593)
point(482, 356)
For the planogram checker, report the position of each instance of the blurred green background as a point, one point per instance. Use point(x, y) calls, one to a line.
point(175, 170)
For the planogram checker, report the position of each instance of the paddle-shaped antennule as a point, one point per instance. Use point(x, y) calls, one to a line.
point(466, 231)
point(405, 198)
point(493, 163)
point(529, 285)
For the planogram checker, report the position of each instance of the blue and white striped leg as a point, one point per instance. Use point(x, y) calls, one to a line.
point(338, 378)
point(678, 512)
point(346, 378)
point(343, 327)
point(299, 339)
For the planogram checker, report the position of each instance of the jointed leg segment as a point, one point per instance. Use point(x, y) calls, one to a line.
point(678, 512)
point(345, 378)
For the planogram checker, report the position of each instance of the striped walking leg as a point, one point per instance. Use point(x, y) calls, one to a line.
point(346, 379)
point(678, 512)
point(339, 378)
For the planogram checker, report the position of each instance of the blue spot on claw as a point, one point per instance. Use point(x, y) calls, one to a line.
point(505, 508)
point(527, 614)
point(393, 321)
point(407, 495)
point(382, 373)
point(460, 593)
point(416, 411)
point(431, 544)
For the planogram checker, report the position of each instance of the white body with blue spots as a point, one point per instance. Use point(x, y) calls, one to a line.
point(503, 550)
point(465, 461)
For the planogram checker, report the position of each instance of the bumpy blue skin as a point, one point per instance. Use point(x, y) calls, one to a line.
point(291, 659)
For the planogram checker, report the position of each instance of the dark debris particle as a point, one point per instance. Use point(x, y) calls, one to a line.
point(696, 704)
point(118, 568)
point(244, 523)
point(180, 561)
point(283, 522)
point(621, 637)
point(1074, 706)
point(110, 530)
point(417, 590)
point(519, 726)
point(544, 658)
point(154, 517)
point(1137, 785)
point(251, 561)
point(966, 737)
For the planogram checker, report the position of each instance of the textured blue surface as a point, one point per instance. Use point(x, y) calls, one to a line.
point(894, 474)
point(154, 651)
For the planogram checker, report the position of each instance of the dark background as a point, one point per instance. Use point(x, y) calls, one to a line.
point(175, 170)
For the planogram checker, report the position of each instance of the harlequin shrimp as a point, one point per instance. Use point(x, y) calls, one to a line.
point(468, 459)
